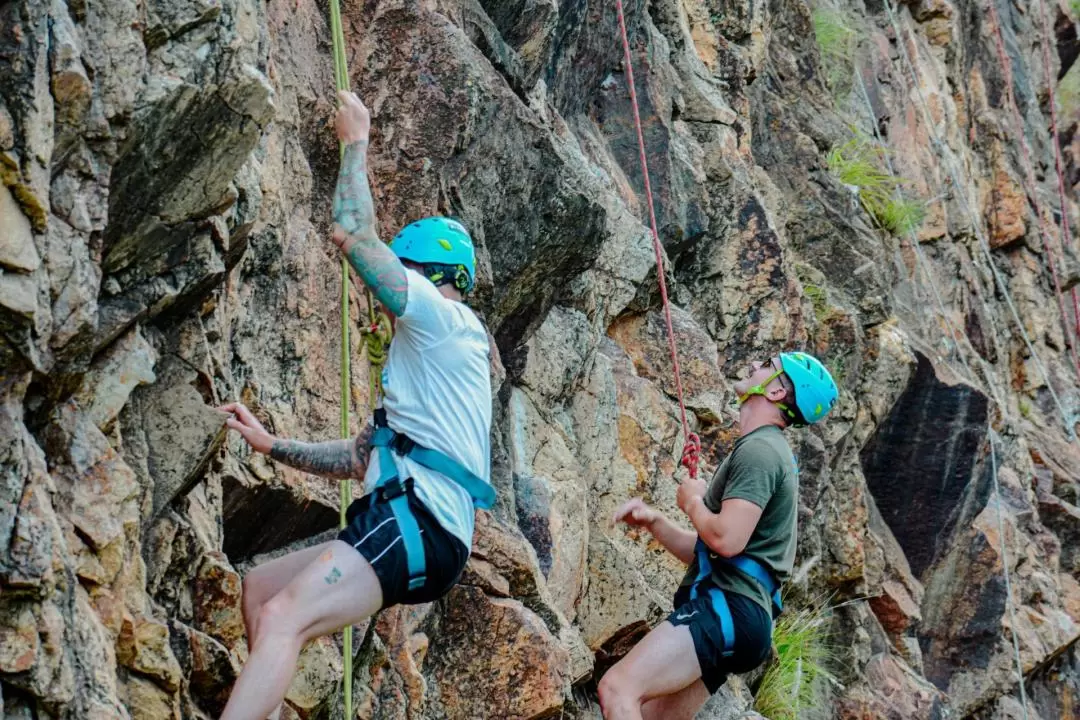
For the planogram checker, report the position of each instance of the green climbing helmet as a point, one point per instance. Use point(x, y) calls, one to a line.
point(815, 390)
point(443, 246)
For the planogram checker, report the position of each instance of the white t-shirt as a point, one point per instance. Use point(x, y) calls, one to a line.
point(437, 390)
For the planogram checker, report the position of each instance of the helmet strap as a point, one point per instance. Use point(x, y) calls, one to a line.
point(759, 389)
point(455, 275)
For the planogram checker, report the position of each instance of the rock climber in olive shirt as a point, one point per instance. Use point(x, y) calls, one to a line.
point(741, 550)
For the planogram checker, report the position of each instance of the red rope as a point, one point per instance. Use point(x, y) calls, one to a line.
point(1032, 189)
point(692, 449)
point(1066, 231)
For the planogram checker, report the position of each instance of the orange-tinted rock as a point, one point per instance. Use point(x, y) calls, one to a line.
point(217, 600)
point(1007, 210)
point(524, 673)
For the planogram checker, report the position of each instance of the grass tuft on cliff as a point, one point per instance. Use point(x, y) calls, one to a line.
point(859, 164)
point(795, 684)
point(836, 41)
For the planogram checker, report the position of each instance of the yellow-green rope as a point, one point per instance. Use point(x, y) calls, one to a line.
point(341, 78)
point(377, 338)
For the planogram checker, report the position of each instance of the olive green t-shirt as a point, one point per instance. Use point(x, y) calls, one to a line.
point(760, 469)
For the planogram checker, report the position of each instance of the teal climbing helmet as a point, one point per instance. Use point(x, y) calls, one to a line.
point(815, 390)
point(442, 244)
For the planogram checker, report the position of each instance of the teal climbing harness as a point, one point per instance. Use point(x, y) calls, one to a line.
point(744, 564)
point(391, 488)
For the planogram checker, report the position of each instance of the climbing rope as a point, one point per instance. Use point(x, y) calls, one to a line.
point(691, 454)
point(976, 227)
point(924, 264)
point(931, 128)
point(377, 338)
point(376, 335)
point(998, 501)
point(341, 79)
point(1066, 231)
point(1031, 187)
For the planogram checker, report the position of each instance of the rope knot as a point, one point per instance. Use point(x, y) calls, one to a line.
point(691, 454)
point(377, 338)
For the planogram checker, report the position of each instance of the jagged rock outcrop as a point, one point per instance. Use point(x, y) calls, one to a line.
point(166, 172)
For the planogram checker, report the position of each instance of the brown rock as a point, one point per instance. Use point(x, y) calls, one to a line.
point(18, 637)
point(92, 480)
point(524, 673)
point(17, 251)
point(892, 692)
point(143, 646)
point(147, 701)
point(895, 609)
point(550, 492)
point(128, 362)
point(217, 600)
point(211, 668)
point(34, 532)
point(1007, 211)
point(182, 434)
point(318, 672)
point(644, 339)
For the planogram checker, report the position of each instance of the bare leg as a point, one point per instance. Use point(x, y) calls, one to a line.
point(266, 581)
point(682, 705)
point(663, 663)
point(270, 578)
point(338, 588)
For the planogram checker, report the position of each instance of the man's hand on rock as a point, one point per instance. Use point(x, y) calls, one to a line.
point(249, 428)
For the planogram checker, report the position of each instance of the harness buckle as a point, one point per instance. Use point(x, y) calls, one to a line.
point(393, 488)
point(402, 444)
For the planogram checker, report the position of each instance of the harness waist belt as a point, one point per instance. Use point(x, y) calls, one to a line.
point(747, 565)
point(391, 488)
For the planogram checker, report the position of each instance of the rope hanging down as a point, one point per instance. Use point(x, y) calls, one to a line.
point(692, 449)
point(991, 434)
point(376, 338)
point(1031, 187)
point(961, 196)
point(341, 79)
point(1066, 231)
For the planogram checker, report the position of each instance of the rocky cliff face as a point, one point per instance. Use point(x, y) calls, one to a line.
point(167, 169)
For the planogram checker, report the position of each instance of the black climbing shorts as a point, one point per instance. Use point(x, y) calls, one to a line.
point(372, 529)
point(753, 634)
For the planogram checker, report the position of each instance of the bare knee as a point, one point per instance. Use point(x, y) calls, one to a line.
point(253, 596)
point(618, 697)
point(276, 618)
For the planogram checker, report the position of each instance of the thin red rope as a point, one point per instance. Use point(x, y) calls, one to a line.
point(1032, 188)
point(692, 449)
point(1066, 231)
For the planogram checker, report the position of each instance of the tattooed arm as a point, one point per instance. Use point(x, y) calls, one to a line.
point(333, 459)
point(354, 212)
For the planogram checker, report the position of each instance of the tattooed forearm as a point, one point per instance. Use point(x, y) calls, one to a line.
point(354, 212)
point(382, 272)
point(333, 459)
point(353, 207)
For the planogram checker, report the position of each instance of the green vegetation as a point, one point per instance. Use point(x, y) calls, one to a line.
point(901, 216)
point(836, 41)
point(819, 297)
point(795, 685)
point(859, 164)
point(1068, 93)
